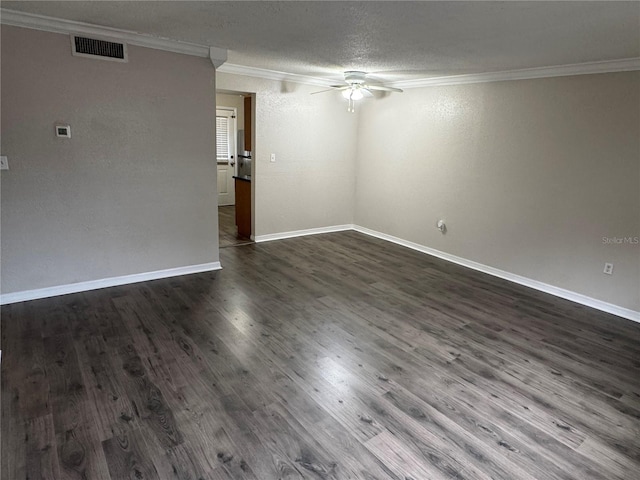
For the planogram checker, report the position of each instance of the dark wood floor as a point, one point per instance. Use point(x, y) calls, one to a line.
point(331, 356)
point(227, 227)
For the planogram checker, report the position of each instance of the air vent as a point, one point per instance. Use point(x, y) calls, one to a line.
point(98, 48)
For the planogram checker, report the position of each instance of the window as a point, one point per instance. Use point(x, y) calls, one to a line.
point(223, 145)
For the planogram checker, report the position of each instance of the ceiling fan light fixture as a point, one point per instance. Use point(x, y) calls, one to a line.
point(352, 94)
point(357, 88)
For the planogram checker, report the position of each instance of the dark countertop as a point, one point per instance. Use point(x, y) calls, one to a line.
point(246, 178)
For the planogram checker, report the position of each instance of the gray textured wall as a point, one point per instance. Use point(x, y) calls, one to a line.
point(133, 190)
point(312, 182)
point(530, 176)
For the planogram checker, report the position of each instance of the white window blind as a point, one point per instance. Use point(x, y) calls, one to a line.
point(222, 139)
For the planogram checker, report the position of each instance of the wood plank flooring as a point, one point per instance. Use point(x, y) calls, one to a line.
point(227, 227)
point(334, 356)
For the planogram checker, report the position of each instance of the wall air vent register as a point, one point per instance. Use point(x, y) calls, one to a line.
point(100, 48)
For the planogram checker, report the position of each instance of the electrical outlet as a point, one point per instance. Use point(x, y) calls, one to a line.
point(608, 268)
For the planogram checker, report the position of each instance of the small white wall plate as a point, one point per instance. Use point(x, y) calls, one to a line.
point(63, 131)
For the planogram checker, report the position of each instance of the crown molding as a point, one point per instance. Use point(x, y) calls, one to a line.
point(218, 56)
point(608, 66)
point(58, 25)
point(621, 65)
point(275, 75)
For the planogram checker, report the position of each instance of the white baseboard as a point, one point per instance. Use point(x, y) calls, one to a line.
point(512, 277)
point(206, 267)
point(301, 233)
point(105, 282)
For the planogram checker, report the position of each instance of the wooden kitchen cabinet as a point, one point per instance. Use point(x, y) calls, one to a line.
point(243, 206)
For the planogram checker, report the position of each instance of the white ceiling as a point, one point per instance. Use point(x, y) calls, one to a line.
point(394, 40)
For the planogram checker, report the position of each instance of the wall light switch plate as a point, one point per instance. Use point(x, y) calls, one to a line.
point(4, 163)
point(273, 157)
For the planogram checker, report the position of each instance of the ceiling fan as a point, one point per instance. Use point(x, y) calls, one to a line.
point(356, 88)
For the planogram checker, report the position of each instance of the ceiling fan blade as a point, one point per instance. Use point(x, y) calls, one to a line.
point(366, 92)
point(383, 89)
point(333, 88)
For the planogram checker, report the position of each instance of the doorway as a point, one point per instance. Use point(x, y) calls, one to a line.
point(234, 168)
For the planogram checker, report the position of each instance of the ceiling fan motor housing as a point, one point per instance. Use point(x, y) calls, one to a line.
point(354, 77)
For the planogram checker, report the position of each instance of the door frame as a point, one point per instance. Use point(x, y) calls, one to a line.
point(230, 89)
